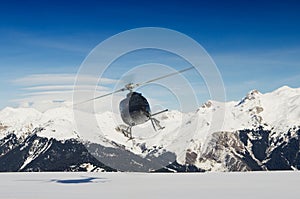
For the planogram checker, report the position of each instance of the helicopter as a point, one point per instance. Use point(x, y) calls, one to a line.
point(135, 108)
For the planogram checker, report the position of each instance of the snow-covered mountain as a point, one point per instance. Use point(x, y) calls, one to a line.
point(260, 132)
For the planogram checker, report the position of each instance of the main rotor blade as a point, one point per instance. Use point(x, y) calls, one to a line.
point(117, 91)
point(136, 85)
point(165, 76)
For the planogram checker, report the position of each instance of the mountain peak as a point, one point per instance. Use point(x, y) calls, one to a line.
point(253, 94)
point(207, 104)
point(284, 89)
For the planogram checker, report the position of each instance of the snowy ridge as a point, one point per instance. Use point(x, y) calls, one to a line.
point(253, 110)
point(191, 136)
point(56, 123)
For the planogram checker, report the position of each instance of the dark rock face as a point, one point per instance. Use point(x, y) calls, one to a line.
point(286, 156)
point(259, 141)
point(43, 154)
point(256, 150)
point(245, 150)
point(276, 154)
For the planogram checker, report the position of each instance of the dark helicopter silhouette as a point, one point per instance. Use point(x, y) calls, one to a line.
point(135, 108)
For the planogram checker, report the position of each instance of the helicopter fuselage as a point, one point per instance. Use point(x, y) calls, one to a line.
point(135, 109)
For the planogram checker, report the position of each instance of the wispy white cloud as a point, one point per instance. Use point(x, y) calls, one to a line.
point(59, 79)
point(64, 87)
point(44, 91)
point(46, 100)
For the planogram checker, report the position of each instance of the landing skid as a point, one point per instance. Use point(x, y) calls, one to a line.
point(127, 130)
point(155, 122)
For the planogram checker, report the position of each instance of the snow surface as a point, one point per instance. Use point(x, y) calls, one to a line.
point(156, 185)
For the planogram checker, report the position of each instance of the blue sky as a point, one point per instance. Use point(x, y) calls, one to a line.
point(255, 44)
